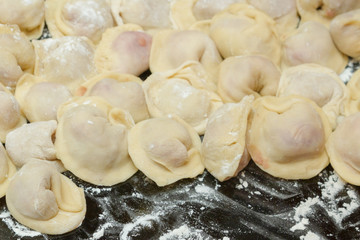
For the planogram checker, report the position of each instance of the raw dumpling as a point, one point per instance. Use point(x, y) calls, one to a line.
point(187, 12)
point(353, 86)
point(318, 83)
point(28, 15)
point(247, 75)
point(33, 141)
point(343, 149)
point(243, 30)
point(124, 49)
point(152, 14)
point(48, 201)
point(39, 99)
point(7, 170)
point(66, 60)
point(120, 90)
point(91, 141)
point(287, 137)
point(223, 146)
point(16, 55)
point(89, 18)
point(345, 32)
point(323, 11)
point(312, 43)
point(172, 48)
point(166, 150)
point(184, 95)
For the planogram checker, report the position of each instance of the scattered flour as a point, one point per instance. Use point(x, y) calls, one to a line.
point(145, 220)
point(19, 229)
point(183, 232)
point(310, 236)
point(101, 230)
point(243, 184)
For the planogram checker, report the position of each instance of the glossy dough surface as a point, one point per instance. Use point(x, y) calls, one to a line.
point(48, 201)
point(166, 150)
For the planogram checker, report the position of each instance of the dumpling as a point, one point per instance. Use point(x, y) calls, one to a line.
point(172, 48)
point(89, 18)
point(17, 55)
point(91, 141)
point(7, 170)
point(183, 95)
point(243, 30)
point(154, 14)
point(124, 49)
point(223, 146)
point(48, 201)
point(247, 75)
point(28, 15)
point(343, 149)
point(166, 150)
point(323, 11)
point(67, 60)
point(312, 43)
point(38, 99)
point(120, 90)
point(345, 32)
point(33, 141)
point(353, 86)
point(287, 137)
point(187, 12)
point(318, 83)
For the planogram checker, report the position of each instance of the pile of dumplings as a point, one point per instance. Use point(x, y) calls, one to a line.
point(256, 79)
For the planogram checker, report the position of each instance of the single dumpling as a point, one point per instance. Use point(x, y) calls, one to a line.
point(67, 60)
point(120, 90)
point(48, 201)
point(7, 170)
point(33, 141)
point(124, 49)
point(323, 11)
point(345, 32)
point(353, 86)
point(89, 18)
point(287, 137)
point(38, 99)
point(172, 48)
point(223, 146)
point(318, 83)
point(91, 141)
point(154, 14)
point(247, 75)
point(17, 55)
point(343, 149)
point(241, 29)
point(166, 150)
point(183, 95)
point(28, 15)
point(312, 43)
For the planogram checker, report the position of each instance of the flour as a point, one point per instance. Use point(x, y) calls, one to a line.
point(143, 221)
point(17, 228)
point(310, 236)
point(183, 232)
point(101, 230)
point(243, 184)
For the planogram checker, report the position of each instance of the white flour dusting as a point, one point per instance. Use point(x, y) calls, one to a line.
point(19, 229)
point(243, 184)
point(183, 232)
point(145, 220)
point(310, 236)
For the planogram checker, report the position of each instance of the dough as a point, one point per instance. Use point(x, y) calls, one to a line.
point(124, 49)
point(343, 149)
point(33, 141)
point(287, 137)
point(7, 170)
point(38, 99)
point(91, 141)
point(318, 83)
point(323, 11)
point(247, 75)
point(28, 15)
point(88, 18)
point(172, 48)
point(166, 150)
point(345, 32)
point(353, 86)
point(223, 146)
point(243, 30)
point(181, 92)
point(48, 202)
point(67, 60)
point(16, 55)
point(312, 43)
point(120, 90)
